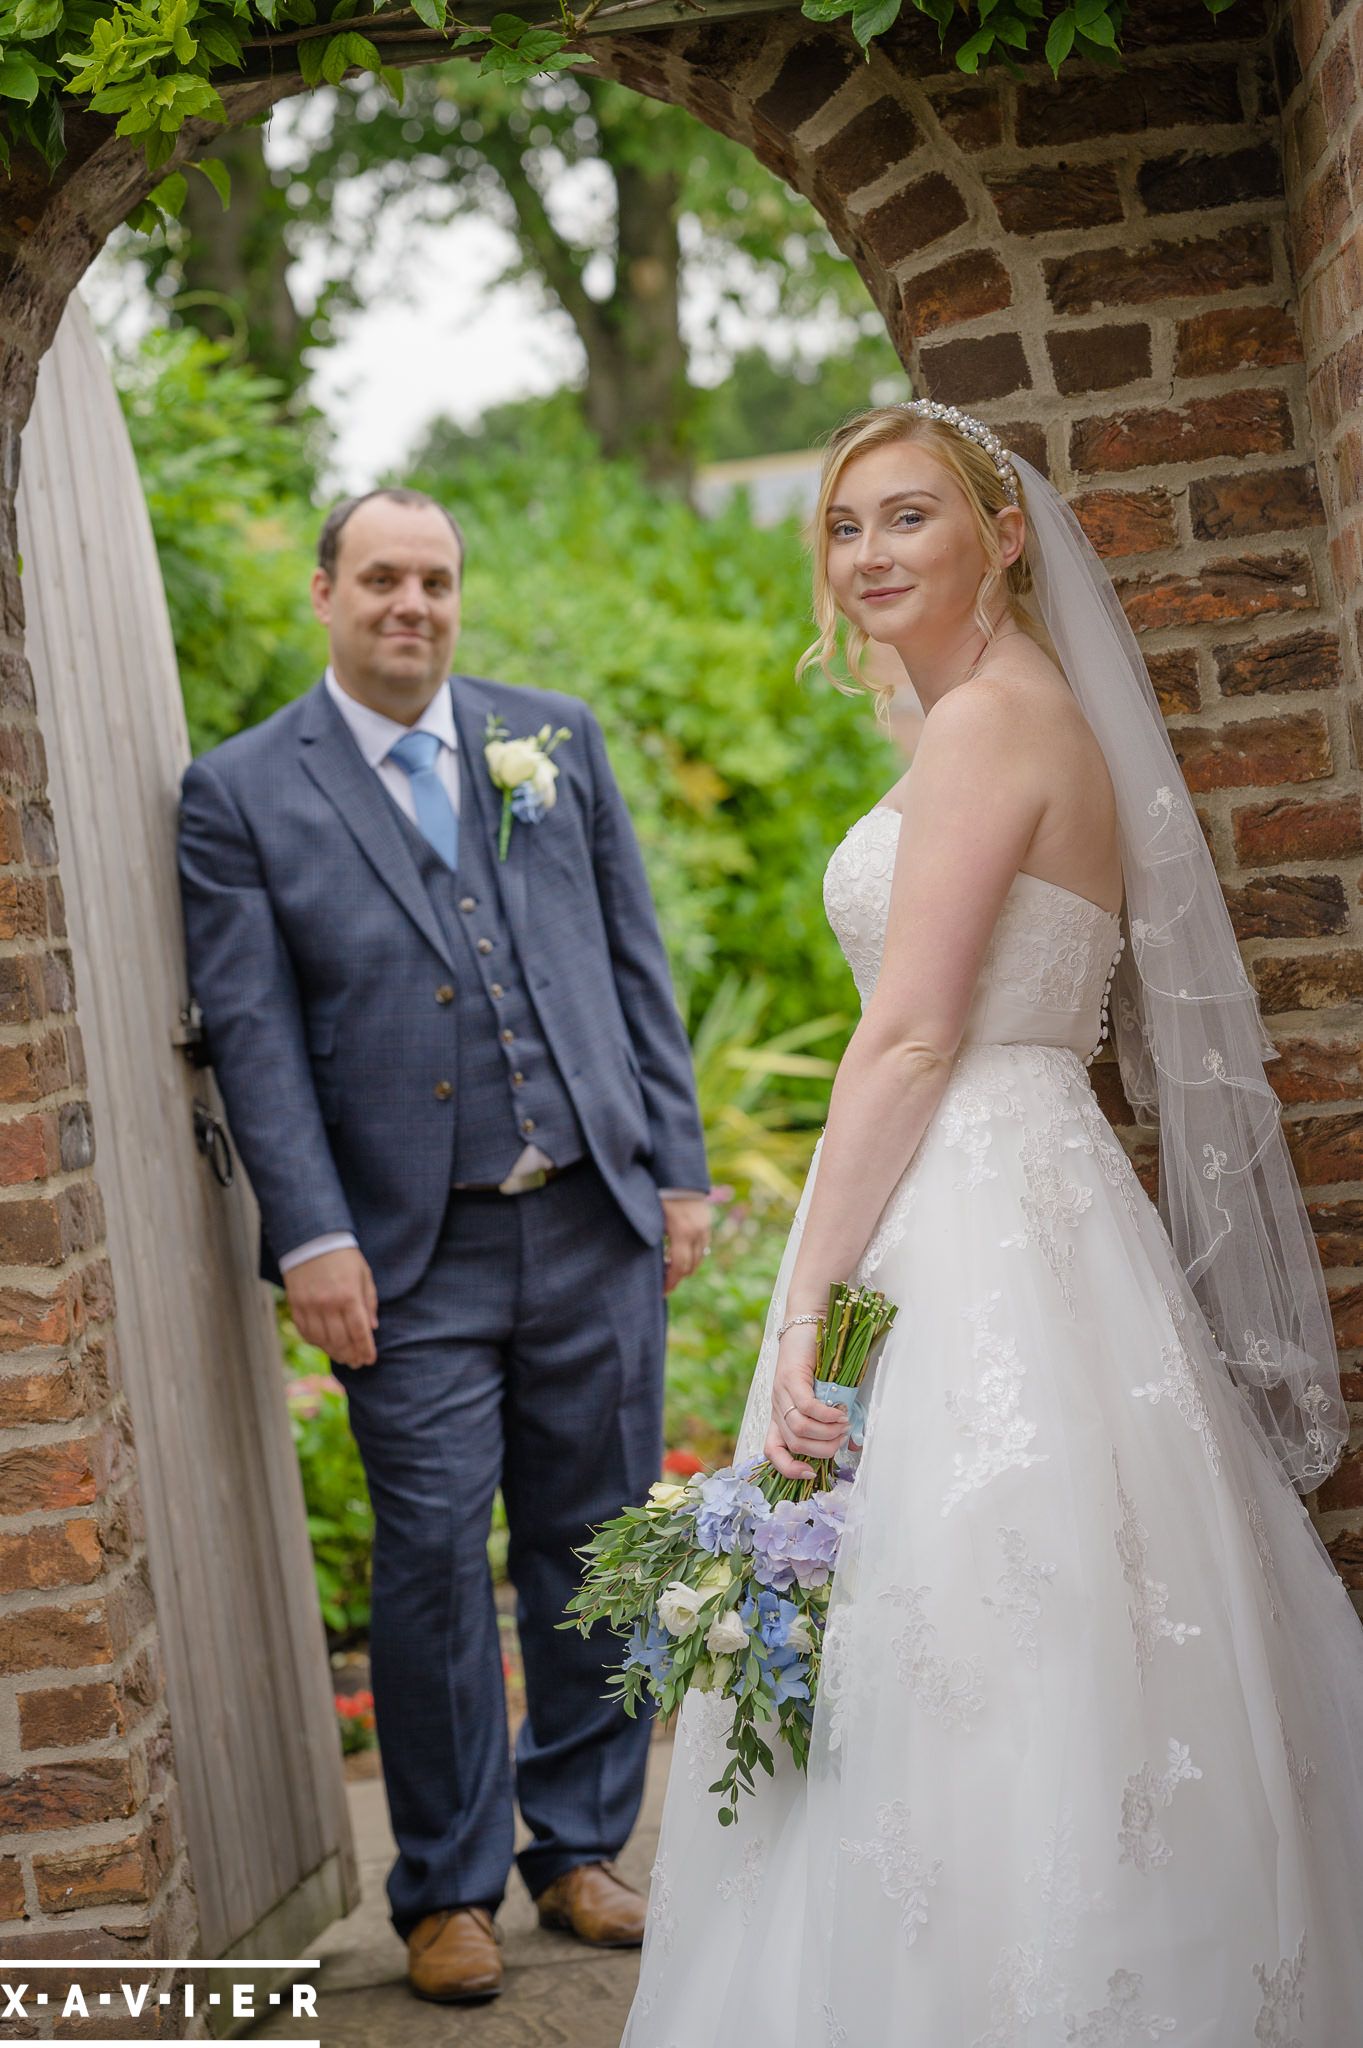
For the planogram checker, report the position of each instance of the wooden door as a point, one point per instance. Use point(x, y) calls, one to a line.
point(246, 1669)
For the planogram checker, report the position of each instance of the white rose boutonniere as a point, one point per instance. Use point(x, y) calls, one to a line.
point(523, 772)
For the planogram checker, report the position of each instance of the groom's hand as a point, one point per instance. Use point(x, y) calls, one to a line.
point(335, 1305)
point(686, 1221)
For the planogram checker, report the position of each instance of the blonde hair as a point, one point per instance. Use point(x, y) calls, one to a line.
point(973, 469)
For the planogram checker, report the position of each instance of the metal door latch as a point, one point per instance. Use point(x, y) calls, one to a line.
point(211, 1139)
point(188, 1035)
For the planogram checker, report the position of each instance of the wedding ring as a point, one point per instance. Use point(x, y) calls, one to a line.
point(789, 1411)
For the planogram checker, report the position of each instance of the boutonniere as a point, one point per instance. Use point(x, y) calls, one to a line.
point(523, 772)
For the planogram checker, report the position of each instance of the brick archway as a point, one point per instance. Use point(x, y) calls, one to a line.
point(1152, 281)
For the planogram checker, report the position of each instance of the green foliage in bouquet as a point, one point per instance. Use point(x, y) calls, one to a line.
point(721, 1585)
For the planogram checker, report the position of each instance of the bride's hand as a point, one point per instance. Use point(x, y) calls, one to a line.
point(802, 1426)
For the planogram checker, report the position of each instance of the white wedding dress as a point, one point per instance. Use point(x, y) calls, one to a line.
point(1087, 1762)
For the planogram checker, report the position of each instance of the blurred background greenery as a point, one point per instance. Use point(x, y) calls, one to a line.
point(710, 319)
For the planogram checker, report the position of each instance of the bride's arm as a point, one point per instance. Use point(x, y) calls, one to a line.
point(971, 807)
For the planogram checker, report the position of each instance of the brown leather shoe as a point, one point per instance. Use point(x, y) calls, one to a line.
point(591, 1902)
point(452, 1956)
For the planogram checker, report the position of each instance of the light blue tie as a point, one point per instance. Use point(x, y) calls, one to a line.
point(416, 753)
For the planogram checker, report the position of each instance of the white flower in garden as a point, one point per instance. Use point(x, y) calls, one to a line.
point(726, 1634)
point(512, 762)
point(679, 1609)
point(799, 1635)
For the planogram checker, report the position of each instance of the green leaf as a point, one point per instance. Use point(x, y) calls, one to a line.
point(432, 12)
point(170, 195)
point(826, 10)
point(18, 78)
point(1099, 30)
point(395, 80)
point(1012, 32)
point(218, 176)
point(872, 18)
point(969, 55)
point(311, 56)
point(1060, 39)
point(34, 18)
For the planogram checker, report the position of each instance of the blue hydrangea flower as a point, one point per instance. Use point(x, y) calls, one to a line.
point(652, 1649)
point(797, 1544)
point(730, 1509)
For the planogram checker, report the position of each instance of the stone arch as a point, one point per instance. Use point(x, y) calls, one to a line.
point(1040, 253)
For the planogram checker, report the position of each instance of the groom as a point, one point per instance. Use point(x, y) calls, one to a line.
point(464, 1097)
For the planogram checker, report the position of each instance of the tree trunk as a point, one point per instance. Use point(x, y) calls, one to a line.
point(637, 398)
point(236, 262)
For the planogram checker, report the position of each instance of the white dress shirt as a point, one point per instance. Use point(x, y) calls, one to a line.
point(375, 736)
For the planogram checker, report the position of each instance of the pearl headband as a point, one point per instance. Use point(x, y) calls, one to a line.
point(974, 430)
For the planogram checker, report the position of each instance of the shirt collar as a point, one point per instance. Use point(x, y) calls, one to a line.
point(374, 734)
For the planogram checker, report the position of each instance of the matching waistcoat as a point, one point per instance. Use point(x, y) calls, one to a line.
point(508, 1089)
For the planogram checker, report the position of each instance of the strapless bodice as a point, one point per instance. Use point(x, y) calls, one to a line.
point(1045, 973)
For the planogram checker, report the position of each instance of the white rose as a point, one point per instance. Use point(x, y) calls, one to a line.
point(679, 1609)
point(511, 761)
point(798, 1635)
point(543, 780)
point(726, 1635)
point(665, 1493)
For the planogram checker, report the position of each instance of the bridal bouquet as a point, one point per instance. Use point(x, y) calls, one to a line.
point(721, 1585)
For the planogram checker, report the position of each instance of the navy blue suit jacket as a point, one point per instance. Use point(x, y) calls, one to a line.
point(314, 951)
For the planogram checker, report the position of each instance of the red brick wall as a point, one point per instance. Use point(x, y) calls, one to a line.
point(1103, 266)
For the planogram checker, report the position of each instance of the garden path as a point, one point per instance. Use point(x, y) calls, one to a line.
point(558, 1993)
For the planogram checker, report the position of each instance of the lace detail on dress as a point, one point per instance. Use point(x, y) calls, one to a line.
point(1048, 957)
point(1119, 2021)
point(966, 1112)
point(834, 2033)
point(662, 1917)
point(948, 1690)
point(745, 1883)
point(992, 1416)
point(1054, 1202)
point(1027, 1981)
point(906, 1877)
point(1145, 1792)
point(1300, 1770)
point(890, 1230)
point(1182, 1382)
point(1021, 1585)
point(834, 1662)
point(856, 893)
point(1283, 1994)
point(1258, 1529)
point(1149, 1596)
point(706, 1719)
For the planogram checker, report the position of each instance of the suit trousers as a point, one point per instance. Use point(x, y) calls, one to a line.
point(529, 1355)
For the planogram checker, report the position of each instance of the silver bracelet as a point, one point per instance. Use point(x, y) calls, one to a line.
point(792, 1323)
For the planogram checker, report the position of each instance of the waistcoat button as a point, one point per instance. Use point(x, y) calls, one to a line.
point(527, 1124)
point(497, 989)
point(517, 1079)
point(508, 1036)
point(444, 994)
point(484, 945)
point(444, 1090)
point(468, 903)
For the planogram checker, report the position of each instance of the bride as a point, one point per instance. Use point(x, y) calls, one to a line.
point(1087, 1757)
